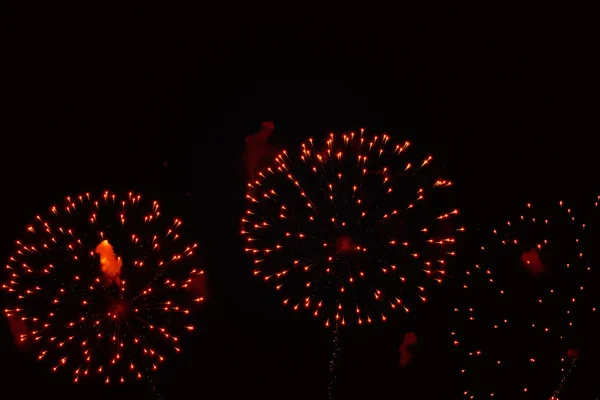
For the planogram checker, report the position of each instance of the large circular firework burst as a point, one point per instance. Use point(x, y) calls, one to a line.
point(351, 231)
point(526, 305)
point(103, 286)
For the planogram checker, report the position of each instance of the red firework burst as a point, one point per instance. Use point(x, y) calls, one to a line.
point(351, 230)
point(103, 286)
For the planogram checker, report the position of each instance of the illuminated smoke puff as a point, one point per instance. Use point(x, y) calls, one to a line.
point(109, 262)
point(352, 230)
point(257, 149)
point(407, 348)
point(527, 301)
point(573, 353)
point(90, 312)
point(532, 262)
point(17, 329)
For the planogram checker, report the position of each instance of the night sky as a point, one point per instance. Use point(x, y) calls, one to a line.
point(161, 104)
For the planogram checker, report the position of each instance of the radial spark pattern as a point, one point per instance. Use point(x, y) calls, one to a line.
point(103, 286)
point(526, 306)
point(350, 231)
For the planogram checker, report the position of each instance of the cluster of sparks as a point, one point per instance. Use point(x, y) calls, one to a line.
point(96, 310)
point(525, 305)
point(351, 231)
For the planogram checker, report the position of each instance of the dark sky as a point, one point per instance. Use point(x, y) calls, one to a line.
point(92, 103)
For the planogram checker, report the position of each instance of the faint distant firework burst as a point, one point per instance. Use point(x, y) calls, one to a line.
point(526, 306)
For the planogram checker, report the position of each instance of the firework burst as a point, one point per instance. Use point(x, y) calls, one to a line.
point(525, 306)
point(351, 231)
point(103, 286)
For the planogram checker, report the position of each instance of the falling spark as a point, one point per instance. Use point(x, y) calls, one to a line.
point(556, 394)
point(334, 356)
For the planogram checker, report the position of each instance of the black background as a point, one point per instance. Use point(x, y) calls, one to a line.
point(507, 99)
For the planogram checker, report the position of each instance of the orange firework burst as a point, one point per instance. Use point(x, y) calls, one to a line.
point(350, 231)
point(525, 310)
point(103, 285)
